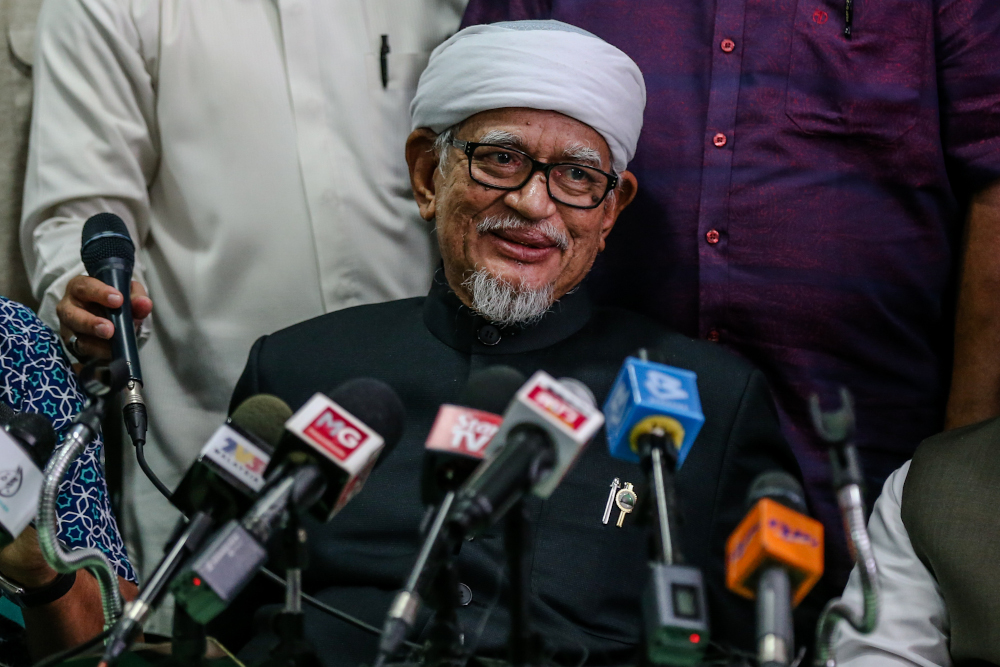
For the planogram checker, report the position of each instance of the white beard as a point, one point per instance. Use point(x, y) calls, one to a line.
point(503, 303)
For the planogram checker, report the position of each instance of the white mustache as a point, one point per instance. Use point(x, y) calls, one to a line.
point(501, 222)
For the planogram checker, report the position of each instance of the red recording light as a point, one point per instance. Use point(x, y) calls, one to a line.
point(196, 581)
point(695, 638)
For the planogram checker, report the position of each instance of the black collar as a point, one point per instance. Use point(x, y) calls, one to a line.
point(458, 326)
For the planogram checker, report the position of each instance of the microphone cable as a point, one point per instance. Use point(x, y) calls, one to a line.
point(274, 578)
point(333, 611)
point(140, 457)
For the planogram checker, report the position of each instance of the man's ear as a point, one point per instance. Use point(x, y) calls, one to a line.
point(618, 198)
point(422, 160)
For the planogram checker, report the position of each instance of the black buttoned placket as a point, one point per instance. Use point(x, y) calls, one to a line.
point(461, 328)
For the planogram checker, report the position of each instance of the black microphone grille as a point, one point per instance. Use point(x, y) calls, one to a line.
point(376, 404)
point(492, 389)
point(104, 236)
point(780, 486)
point(36, 432)
point(264, 416)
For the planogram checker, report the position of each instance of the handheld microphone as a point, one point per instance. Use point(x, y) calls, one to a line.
point(454, 448)
point(218, 486)
point(775, 556)
point(543, 432)
point(323, 459)
point(109, 255)
point(26, 443)
point(653, 417)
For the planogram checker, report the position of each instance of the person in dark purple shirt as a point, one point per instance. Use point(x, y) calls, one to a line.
point(803, 194)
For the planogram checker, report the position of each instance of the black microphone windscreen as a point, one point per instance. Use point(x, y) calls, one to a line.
point(780, 486)
point(6, 414)
point(36, 432)
point(104, 236)
point(264, 416)
point(491, 389)
point(376, 404)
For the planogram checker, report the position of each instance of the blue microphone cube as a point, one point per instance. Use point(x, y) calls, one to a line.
point(645, 390)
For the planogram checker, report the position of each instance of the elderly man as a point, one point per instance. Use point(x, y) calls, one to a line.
point(522, 135)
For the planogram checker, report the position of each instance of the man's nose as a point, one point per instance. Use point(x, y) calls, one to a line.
point(532, 201)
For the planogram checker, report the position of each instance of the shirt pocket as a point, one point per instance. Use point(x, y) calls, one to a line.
point(400, 37)
point(871, 86)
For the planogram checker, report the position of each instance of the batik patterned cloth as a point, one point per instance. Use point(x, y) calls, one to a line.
point(35, 377)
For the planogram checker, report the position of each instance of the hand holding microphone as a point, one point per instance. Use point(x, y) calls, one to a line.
point(84, 308)
point(82, 319)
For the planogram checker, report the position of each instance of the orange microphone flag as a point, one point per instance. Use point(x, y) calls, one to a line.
point(774, 534)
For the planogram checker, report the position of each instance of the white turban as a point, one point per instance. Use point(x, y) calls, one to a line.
point(546, 65)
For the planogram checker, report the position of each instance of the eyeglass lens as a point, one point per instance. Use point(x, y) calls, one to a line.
point(575, 185)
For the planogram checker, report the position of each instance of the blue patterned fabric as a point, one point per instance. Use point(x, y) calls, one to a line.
point(35, 377)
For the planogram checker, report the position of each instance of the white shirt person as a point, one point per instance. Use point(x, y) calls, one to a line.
point(255, 150)
point(912, 627)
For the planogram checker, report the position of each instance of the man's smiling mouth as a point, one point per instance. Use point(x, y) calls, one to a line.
point(520, 232)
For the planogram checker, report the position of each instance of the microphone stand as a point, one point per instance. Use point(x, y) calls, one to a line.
point(523, 643)
point(444, 637)
point(188, 537)
point(837, 429)
point(189, 641)
point(663, 493)
point(293, 649)
point(99, 382)
point(405, 606)
point(673, 605)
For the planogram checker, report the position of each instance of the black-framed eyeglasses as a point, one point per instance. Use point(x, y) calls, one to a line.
point(506, 168)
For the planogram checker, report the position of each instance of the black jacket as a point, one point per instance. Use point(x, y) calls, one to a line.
point(586, 577)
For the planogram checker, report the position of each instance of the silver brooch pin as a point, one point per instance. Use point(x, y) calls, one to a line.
point(615, 485)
